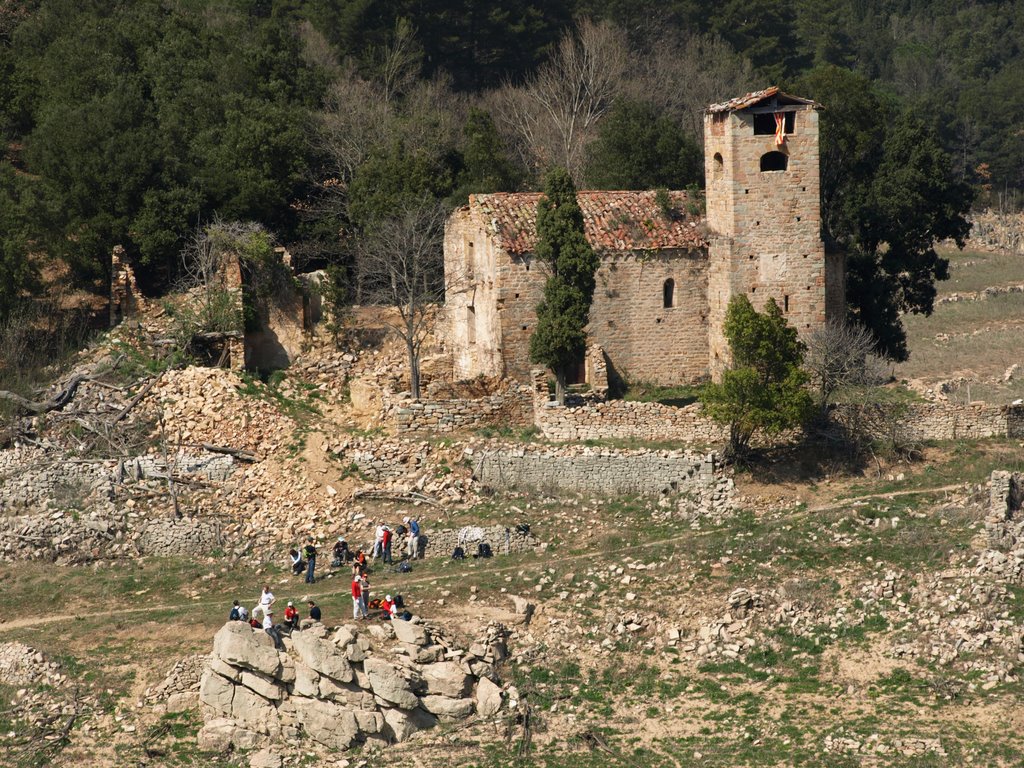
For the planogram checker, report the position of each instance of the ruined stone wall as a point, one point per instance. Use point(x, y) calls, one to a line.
point(512, 407)
point(125, 298)
point(72, 537)
point(991, 230)
point(628, 420)
point(1003, 521)
point(765, 225)
point(936, 421)
point(596, 470)
point(471, 298)
point(504, 540)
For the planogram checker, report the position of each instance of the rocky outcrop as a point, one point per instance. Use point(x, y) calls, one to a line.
point(343, 687)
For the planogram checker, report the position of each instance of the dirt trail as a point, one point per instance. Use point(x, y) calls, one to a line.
point(36, 621)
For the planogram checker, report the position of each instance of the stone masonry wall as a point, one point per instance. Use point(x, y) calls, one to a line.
point(939, 421)
point(1003, 522)
point(997, 231)
point(598, 471)
point(628, 420)
point(504, 540)
point(512, 407)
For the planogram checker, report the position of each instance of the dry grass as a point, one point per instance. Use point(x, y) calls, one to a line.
point(976, 270)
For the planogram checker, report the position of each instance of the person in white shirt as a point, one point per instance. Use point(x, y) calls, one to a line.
point(378, 541)
point(266, 601)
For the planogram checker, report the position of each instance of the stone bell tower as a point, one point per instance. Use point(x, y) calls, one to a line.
point(763, 211)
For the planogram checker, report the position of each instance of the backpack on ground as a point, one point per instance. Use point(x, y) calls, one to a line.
point(399, 602)
point(406, 616)
point(458, 554)
point(403, 567)
point(483, 549)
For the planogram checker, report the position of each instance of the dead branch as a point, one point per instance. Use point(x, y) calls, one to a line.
point(137, 399)
point(63, 397)
point(371, 493)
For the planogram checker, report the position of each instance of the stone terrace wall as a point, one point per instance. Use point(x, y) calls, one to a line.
point(512, 407)
point(503, 540)
point(1006, 497)
point(941, 421)
point(68, 538)
point(598, 471)
point(627, 420)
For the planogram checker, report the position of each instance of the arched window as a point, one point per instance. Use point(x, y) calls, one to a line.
point(774, 161)
point(719, 164)
point(668, 291)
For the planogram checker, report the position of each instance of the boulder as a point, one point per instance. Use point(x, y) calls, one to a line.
point(265, 758)
point(407, 632)
point(240, 645)
point(307, 681)
point(331, 725)
point(215, 736)
point(224, 669)
point(252, 710)
point(446, 708)
point(343, 636)
point(179, 702)
point(402, 725)
point(446, 678)
point(488, 698)
point(388, 684)
point(265, 687)
point(216, 692)
point(369, 721)
point(323, 656)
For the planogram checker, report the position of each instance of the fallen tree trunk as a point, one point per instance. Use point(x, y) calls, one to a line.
point(61, 399)
point(239, 453)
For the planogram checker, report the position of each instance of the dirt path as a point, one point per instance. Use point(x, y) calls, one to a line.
point(37, 621)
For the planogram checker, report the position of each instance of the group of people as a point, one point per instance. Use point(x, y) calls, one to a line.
point(384, 537)
point(265, 607)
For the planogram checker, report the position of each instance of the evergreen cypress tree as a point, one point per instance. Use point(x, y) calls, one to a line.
point(560, 340)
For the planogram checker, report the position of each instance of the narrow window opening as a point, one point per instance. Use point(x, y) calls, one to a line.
point(719, 164)
point(658, 321)
point(517, 295)
point(774, 161)
point(523, 327)
point(471, 324)
point(785, 303)
point(668, 291)
point(798, 218)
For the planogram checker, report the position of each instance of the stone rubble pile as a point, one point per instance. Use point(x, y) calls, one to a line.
point(344, 686)
point(179, 690)
point(22, 665)
point(873, 745)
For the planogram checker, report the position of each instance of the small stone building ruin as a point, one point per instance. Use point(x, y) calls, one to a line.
point(667, 272)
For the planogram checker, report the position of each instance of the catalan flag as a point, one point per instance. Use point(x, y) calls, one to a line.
point(780, 129)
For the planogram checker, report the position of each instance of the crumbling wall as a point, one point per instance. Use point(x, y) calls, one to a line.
point(991, 230)
point(504, 540)
point(1003, 522)
point(935, 421)
point(599, 471)
point(125, 298)
point(512, 407)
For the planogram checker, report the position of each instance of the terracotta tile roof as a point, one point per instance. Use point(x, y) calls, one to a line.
point(614, 221)
point(750, 99)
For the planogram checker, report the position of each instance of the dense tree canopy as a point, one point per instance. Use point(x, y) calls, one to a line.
point(133, 123)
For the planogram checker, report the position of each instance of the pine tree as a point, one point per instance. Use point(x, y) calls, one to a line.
point(764, 389)
point(560, 340)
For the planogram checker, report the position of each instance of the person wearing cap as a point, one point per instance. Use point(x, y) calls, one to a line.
point(412, 547)
point(291, 616)
point(358, 609)
point(271, 629)
point(388, 608)
point(341, 553)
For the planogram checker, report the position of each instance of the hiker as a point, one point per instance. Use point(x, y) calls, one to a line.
point(266, 600)
point(364, 585)
point(236, 614)
point(291, 617)
point(390, 610)
point(378, 541)
point(386, 544)
point(358, 610)
point(270, 629)
point(341, 553)
point(297, 565)
point(314, 611)
point(359, 563)
point(412, 548)
point(310, 553)
point(243, 613)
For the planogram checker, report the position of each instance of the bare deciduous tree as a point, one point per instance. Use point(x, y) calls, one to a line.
point(401, 264)
point(841, 354)
point(683, 76)
point(204, 261)
point(554, 115)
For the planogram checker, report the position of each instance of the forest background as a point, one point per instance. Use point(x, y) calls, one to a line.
point(135, 123)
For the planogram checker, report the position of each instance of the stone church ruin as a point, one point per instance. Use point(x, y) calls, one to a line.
point(667, 271)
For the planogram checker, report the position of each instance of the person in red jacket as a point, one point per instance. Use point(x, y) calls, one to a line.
point(291, 617)
point(386, 544)
point(358, 609)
